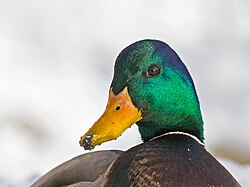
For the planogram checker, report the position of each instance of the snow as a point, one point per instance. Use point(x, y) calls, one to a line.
point(56, 65)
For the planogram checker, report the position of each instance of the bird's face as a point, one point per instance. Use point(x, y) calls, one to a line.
point(151, 87)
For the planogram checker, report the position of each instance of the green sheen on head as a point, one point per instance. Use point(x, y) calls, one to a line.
point(160, 85)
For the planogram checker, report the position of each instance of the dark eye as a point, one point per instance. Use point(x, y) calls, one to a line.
point(153, 70)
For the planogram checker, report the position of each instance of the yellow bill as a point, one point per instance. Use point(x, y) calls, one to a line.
point(119, 115)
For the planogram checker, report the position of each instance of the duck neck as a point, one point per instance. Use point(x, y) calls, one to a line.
point(188, 121)
point(171, 106)
point(190, 125)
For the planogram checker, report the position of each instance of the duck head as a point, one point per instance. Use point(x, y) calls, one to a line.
point(152, 88)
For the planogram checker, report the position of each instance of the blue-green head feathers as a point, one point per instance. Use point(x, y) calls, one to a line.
point(160, 85)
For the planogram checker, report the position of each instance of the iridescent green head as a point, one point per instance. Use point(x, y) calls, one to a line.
point(152, 88)
point(160, 85)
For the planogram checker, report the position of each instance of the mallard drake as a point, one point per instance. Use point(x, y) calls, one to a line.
point(152, 88)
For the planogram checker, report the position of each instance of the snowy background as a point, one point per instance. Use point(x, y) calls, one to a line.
point(56, 65)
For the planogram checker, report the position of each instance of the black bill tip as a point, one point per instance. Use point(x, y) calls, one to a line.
point(86, 143)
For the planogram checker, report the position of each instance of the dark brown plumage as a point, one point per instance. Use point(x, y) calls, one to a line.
point(172, 160)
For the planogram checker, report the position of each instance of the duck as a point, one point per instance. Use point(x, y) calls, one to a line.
point(153, 89)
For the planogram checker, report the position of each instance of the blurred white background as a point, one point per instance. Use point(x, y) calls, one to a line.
point(56, 65)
